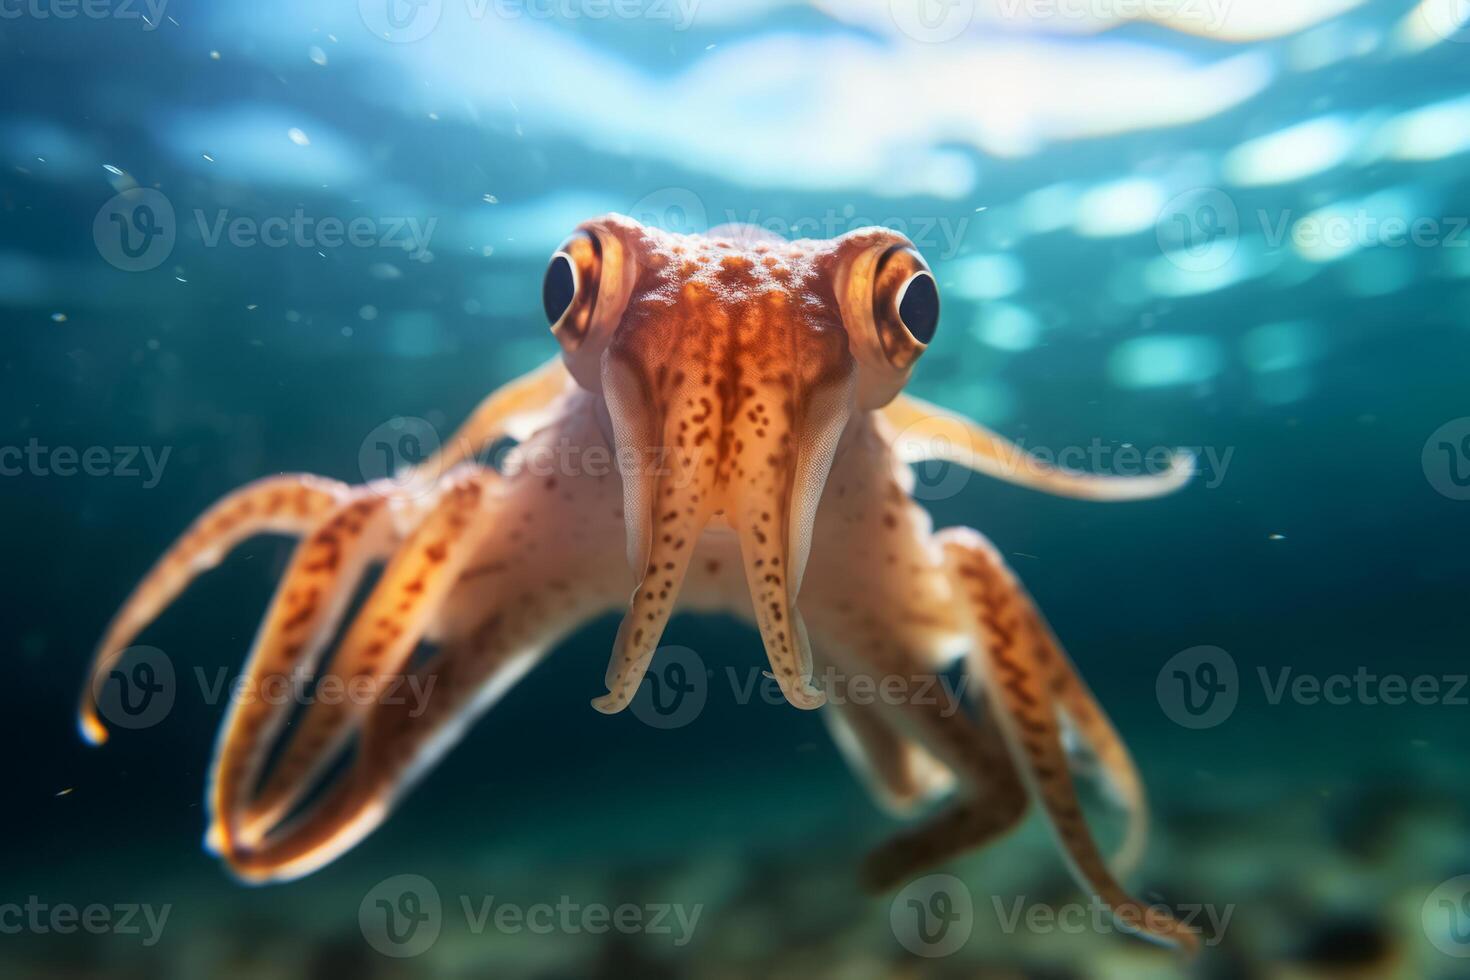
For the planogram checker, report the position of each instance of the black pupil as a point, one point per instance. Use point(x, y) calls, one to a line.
point(559, 287)
point(919, 309)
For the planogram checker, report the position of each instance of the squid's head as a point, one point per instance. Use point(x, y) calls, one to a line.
point(730, 364)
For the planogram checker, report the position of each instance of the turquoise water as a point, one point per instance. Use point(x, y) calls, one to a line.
point(245, 239)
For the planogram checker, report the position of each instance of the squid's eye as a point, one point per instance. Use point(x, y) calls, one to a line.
point(569, 291)
point(918, 307)
point(905, 305)
point(558, 288)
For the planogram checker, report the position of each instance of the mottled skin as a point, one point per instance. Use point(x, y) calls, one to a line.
point(725, 421)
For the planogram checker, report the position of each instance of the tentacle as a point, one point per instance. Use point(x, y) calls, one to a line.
point(965, 826)
point(668, 498)
point(776, 481)
point(402, 738)
point(305, 612)
point(922, 431)
point(1014, 657)
point(514, 409)
point(900, 774)
point(1086, 717)
point(922, 711)
point(287, 504)
point(379, 643)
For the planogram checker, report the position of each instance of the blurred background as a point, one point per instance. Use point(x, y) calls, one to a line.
point(243, 238)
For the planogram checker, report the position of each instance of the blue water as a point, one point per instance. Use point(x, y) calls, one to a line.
point(240, 239)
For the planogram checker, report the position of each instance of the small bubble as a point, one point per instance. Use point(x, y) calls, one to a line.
point(317, 55)
point(58, 318)
point(298, 137)
point(1275, 537)
point(347, 331)
point(292, 316)
point(491, 199)
point(214, 56)
point(368, 312)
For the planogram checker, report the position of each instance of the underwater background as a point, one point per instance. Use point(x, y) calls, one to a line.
point(1241, 226)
